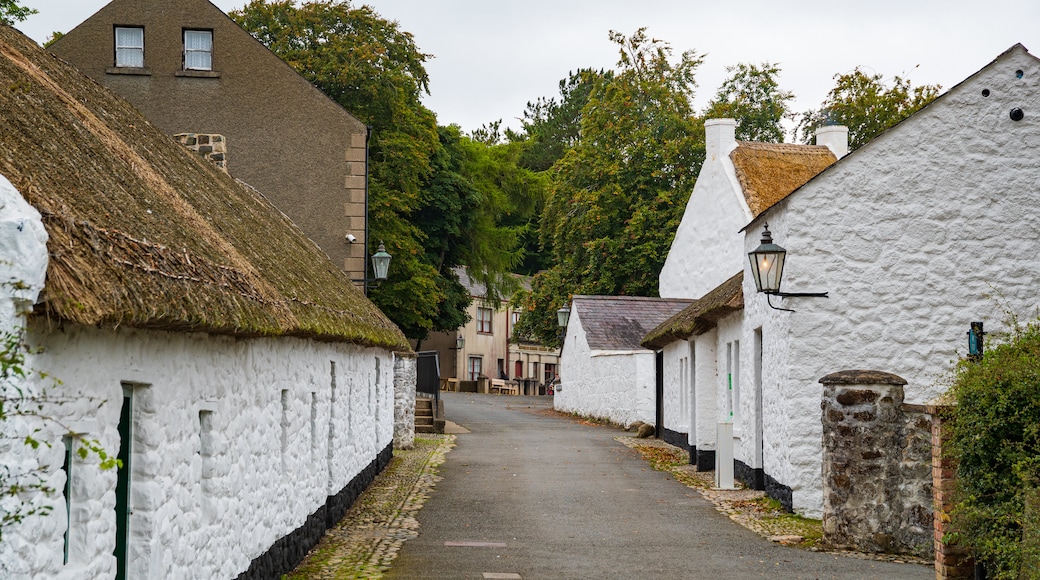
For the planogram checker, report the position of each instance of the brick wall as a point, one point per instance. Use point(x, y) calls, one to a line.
point(951, 561)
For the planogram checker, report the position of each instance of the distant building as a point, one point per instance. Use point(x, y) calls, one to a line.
point(191, 71)
point(484, 351)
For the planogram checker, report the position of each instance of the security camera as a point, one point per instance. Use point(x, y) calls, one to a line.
point(351, 238)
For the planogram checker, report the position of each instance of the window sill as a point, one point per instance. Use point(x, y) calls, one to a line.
point(199, 74)
point(129, 70)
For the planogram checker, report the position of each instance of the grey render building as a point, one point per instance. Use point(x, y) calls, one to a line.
point(192, 70)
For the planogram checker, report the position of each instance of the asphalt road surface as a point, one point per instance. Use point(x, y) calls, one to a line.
point(530, 496)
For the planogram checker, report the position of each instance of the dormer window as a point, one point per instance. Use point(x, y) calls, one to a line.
point(129, 47)
point(198, 50)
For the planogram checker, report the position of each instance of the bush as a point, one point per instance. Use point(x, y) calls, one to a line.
point(995, 437)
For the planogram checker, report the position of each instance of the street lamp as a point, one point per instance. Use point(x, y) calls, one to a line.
point(767, 266)
point(563, 315)
point(380, 266)
point(460, 341)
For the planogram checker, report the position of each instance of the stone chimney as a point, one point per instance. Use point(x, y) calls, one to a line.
point(213, 147)
point(719, 137)
point(835, 138)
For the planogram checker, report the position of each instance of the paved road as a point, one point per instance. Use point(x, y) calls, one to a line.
point(535, 497)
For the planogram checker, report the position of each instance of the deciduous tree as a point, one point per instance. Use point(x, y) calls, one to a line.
point(753, 97)
point(867, 105)
point(616, 196)
point(12, 11)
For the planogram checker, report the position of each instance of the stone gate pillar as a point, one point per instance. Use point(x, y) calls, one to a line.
point(876, 465)
point(405, 376)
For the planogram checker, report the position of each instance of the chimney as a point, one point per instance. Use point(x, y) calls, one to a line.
point(835, 138)
point(212, 146)
point(719, 137)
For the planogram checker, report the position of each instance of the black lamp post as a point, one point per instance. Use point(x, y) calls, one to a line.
point(767, 266)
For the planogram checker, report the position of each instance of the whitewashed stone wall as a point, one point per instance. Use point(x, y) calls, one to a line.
point(705, 381)
point(678, 392)
point(711, 223)
point(405, 377)
point(236, 442)
point(915, 235)
point(614, 385)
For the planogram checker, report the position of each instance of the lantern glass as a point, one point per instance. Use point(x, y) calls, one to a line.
point(563, 315)
point(380, 262)
point(460, 341)
point(767, 264)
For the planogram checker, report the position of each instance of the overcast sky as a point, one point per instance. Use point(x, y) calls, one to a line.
point(491, 57)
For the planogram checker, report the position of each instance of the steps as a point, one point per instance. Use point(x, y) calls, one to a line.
point(424, 415)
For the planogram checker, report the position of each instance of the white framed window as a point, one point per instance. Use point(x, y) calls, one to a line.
point(129, 41)
point(516, 318)
point(476, 367)
point(198, 50)
point(483, 320)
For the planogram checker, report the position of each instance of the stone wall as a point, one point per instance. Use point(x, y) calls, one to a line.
point(212, 147)
point(404, 400)
point(877, 466)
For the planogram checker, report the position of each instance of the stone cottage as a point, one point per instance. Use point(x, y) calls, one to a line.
point(604, 371)
point(194, 72)
point(197, 334)
point(704, 367)
point(914, 235)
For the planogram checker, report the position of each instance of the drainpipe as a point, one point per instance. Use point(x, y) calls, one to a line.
point(368, 138)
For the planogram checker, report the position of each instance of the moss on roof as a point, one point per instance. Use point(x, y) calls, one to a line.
point(701, 316)
point(769, 172)
point(144, 233)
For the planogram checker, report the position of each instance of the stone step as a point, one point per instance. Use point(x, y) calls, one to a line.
point(424, 429)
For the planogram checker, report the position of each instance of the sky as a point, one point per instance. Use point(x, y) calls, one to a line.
point(490, 58)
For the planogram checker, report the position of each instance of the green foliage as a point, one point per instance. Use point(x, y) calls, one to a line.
point(995, 437)
point(866, 105)
point(752, 96)
point(616, 197)
point(11, 11)
point(552, 127)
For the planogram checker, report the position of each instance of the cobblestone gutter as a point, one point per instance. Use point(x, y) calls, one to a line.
point(366, 542)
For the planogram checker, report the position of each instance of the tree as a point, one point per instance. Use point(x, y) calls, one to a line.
point(752, 96)
point(552, 127)
point(866, 105)
point(419, 196)
point(617, 196)
point(11, 11)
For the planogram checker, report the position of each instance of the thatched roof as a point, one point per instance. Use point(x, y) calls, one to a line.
point(144, 233)
point(769, 172)
point(701, 316)
point(621, 322)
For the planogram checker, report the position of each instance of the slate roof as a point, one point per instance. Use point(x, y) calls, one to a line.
point(769, 172)
point(621, 322)
point(701, 316)
point(145, 234)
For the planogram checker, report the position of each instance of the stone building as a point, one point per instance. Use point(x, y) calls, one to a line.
point(914, 235)
point(197, 334)
point(604, 371)
point(192, 71)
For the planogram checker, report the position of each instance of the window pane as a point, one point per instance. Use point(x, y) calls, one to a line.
point(198, 50)
point(130, 47)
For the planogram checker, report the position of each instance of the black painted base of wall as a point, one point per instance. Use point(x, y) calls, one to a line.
point(757, 478)
point(676, 438)
point(289, 551)
point(705, 459)
point(752, 477)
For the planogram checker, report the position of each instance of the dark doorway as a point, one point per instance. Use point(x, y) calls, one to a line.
point(123, 483)
point(659, 395)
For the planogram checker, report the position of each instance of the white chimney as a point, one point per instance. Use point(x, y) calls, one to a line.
point(835, 138)
point(720, 137)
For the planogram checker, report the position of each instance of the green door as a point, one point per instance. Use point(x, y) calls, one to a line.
point(123, 484)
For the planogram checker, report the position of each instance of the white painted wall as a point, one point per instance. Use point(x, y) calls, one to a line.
point(614, 385)
point(706, 378)
point(917, 234)
point(711, 224)
point(678, 391)
point(272, 464)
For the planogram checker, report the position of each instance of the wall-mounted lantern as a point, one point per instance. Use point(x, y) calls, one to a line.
point(767, 266)
point(975, 346)
point(380, 266)
point(563, 315)
point(460, 342)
